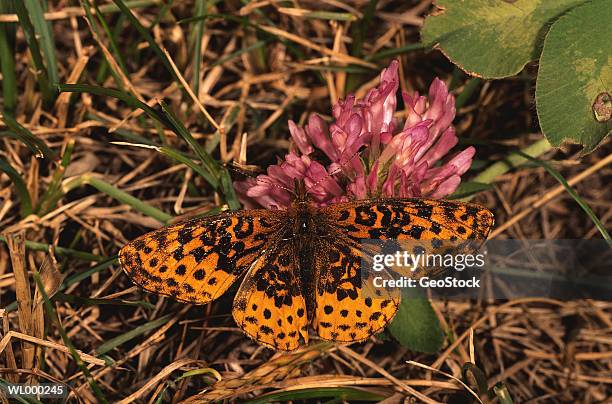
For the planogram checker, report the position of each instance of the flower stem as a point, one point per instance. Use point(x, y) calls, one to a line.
point(513, 160)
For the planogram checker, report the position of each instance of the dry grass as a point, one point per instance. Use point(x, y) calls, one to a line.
point(278, 63)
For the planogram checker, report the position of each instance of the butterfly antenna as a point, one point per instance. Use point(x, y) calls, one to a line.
point(276, 185)
point(338, 169)
point(253, 172)
point(250, 171)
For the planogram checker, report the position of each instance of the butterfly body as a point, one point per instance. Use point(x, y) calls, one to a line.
point(301, 266)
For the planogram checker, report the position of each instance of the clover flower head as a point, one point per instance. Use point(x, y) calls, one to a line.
point(367, 152)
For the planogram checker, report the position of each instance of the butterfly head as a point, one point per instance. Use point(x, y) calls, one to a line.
point(301, 193)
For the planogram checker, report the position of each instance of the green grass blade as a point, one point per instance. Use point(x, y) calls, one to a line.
point(53, 193)
point(112, 8)
point(469, 189)
point(501, 392)
point(339, 393)
point(124, 96)
point(198, 372)
point(387, 53)
point(86, 301)
point(116, 193)
point(211, 164)
point(499, 168)
point(86, 274)
point(161, 14)
point(7, 61)
point(111, 40)
point(581, 202)
point(20, 186)
point(42, 75)
point(233, 55)
point(104, 68)
point(324, 15)
point(227, 124)
point(177, 156)
point(469, 88)
point(63, 251)
point(167, 118)
point(44, 33)
point(227, 188)
point(116, 54)
point(37, 146)
point(359, 30)
point(146, 35)
point(123, 338)
point(201, 8)
point(335, 68)
point(180, 157)
point(75, 355)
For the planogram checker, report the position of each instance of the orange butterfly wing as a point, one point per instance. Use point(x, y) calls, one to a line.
point(270, 306)
point(344, 311)
point(410, 219)
point(197, 261)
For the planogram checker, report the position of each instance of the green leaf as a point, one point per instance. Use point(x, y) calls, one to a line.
point(492, 38)
point(575, 68)
point(416, 326)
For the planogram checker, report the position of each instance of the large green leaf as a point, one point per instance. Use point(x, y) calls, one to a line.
point(575, 75)
point(416, 326)
point(492, 38)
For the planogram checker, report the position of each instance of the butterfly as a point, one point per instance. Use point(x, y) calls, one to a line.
point(300, 266)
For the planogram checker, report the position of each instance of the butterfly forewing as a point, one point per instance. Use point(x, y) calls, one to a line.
point(198, 260)
point(409, 219)
point(345, 312)
point(270, 306)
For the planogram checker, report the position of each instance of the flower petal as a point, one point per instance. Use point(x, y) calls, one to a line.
point(300, 139)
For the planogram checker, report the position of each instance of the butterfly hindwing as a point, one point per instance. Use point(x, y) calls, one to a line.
point(345, 311)
point(270, 306)
point(196, 261)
